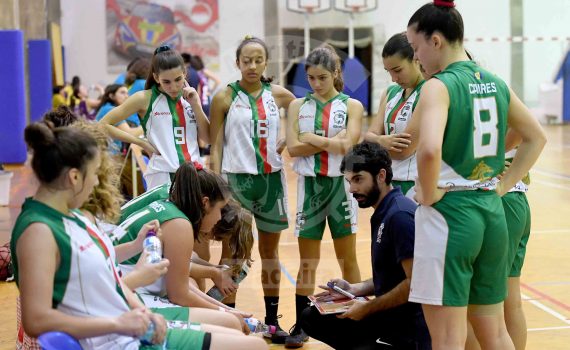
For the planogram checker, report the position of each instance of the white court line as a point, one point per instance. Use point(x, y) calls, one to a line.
point(545, 308)
point(550, 184)
point(547, 328)
point(543, 232)
point(549, 174)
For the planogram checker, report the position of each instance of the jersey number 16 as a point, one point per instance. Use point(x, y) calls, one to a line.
point(259, 128)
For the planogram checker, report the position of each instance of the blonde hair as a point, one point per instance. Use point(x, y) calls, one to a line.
point(105, 201)
point(236, 226)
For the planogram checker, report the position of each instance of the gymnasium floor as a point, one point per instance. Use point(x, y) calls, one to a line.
point(545, 280)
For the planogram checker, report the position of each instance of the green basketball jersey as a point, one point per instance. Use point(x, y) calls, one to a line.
point(127, 231)
point(152, 195)
point(473, 150)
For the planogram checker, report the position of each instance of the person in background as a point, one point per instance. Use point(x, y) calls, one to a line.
point(205, 87)
point(58, 98)
point(191, 75)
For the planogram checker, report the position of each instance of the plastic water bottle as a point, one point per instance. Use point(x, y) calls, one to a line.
point(256, 326)
point(215, 292)
point(153, 247)
point(146, 339)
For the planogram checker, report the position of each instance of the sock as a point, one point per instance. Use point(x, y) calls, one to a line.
point(271, 304)
point(301, 303)
point(232, 305)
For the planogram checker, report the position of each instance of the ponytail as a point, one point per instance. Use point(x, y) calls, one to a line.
point(190, 185)
point(164, 58)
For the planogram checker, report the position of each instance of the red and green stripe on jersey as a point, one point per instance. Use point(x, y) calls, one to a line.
point(179, 129)
point(322, 117)
point(171, 127)
point(258, 114)
point(325, 119)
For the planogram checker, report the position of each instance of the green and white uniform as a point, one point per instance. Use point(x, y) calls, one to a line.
point(322, 192)
point(250, 160)
point(396, 118)
point(170, 126)
point(517, 213)
point(87, 282)
point(152, 195)
point(460, 254)
point(153, 295)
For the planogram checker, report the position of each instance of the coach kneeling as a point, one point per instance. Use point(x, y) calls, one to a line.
point(387, 321)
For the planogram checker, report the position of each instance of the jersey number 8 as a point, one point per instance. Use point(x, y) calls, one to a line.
point(483, 145)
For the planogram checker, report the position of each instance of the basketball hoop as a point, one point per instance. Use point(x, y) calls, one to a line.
point(308, 6)
point(355, 6)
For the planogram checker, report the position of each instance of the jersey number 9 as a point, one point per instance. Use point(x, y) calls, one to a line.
point(179, 135)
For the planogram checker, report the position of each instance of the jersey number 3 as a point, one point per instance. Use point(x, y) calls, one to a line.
point(485, 132)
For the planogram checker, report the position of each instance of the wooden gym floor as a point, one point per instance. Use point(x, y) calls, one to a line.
point(545, 279)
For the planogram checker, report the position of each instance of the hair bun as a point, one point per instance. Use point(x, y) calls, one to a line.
point(444, 3)
point(39, 135)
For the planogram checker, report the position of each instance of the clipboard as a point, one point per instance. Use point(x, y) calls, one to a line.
point(333, 307)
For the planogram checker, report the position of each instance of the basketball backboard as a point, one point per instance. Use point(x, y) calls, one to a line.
point(355, 6)
point(308, 6)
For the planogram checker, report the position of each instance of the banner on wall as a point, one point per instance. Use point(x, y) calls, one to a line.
point(136, 27)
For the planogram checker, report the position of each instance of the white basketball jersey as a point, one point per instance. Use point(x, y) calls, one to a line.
point(327, 120)
point(251, 132)
point(396, 118)
point(170, 126)
point(86, 283)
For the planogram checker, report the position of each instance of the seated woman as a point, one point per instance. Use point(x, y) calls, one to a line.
point(234, 230)
point(188, 210)
point(65, 267)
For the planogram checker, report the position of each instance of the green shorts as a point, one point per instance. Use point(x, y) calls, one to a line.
point(460, 251)
point(265, 196)
point(517, 213)
point(323, 198)
point(183, 339)
point(405, 186)
point(179, 313)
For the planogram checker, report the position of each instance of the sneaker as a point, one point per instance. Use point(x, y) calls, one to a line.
point(297, 338)
point(280, 335)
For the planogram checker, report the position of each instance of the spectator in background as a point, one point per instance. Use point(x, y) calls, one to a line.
point(205, 91)
point(135, 80)
point(81, 103)
point(191, 75)
point(115, 95)
point(121, 77)
point(58, 98)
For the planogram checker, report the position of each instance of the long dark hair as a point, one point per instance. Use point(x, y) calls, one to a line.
point(326, 57)
point(188, 188)
point(164, 58)
point(58, 149)
point(106, 98)
point(253, 39)
point(440, 16)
